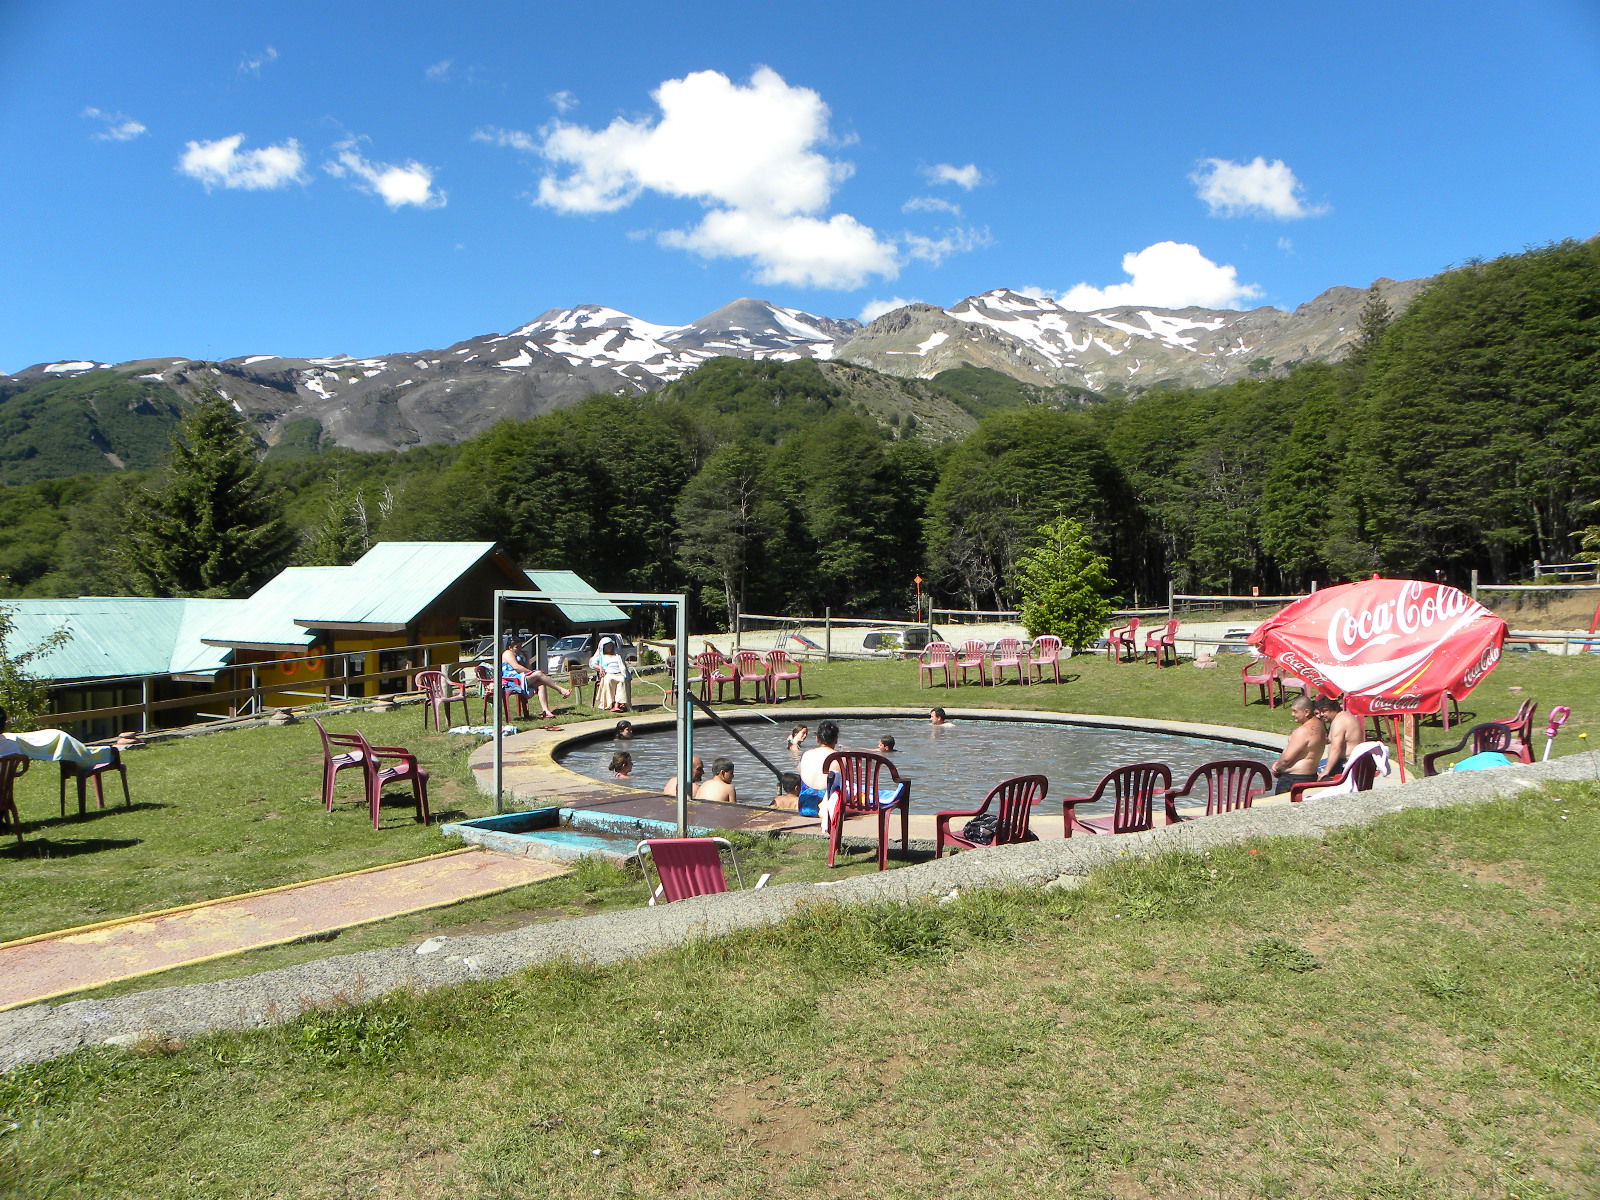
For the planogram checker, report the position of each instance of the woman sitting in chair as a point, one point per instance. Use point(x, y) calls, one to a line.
point(521, 679)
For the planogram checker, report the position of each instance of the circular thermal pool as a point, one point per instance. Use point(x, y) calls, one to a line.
point(950, 766)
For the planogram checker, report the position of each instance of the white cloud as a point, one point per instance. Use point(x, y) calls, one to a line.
point(873, 309)
point(118, 127)
point(931, 204)
point(222, 164)
point(396, 184)
point(516, 139)
point(564, 101)
point(1165, 275)
point(954, 241)
point(748, 153)
point(965, 178)
point(251, 64)
point(1257, 188)
point(802, 251)
point(438, 72)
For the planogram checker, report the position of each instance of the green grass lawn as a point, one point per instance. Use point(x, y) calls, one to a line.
point(1405, 1010)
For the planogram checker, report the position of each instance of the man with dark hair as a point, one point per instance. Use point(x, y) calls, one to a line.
point(697, 774)
point(813, 779)
point(720, 786)
point(1345, 732)
point(788, 796)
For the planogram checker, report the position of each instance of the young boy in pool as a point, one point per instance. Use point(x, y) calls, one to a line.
point(886, 744)
point(788, 797)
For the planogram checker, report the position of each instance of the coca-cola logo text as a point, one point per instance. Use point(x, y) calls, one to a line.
point(1419, 606)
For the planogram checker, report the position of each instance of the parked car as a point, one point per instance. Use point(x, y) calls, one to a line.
point(573, 652)
point(899, 643)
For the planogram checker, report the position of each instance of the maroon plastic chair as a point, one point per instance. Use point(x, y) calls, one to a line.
point(1227, 784)
point(685, 867)
point(490, 688)
point(715, 669)
point(785, 669)
point(1266, 678)
point(439, 692)
point(1360, 771)
point(1132, 789)
point(11, 766)
point(1521, 727)
point(855, 774)
point(1045, 652)
point(1491, 735)
point(1014, 800)
point(1008, 652)
point(973, 656)
point(340, 752)
point(86, 773)
point(936, 656)
point(404, 769)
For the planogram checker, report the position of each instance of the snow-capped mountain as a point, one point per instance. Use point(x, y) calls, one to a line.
point(449, 395)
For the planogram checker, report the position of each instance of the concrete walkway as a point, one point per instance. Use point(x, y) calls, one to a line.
point(74, 960)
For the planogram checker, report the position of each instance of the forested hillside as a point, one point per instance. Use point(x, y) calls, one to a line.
point(1460, 435)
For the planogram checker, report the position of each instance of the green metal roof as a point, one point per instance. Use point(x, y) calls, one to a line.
point(393, 583)
point(266, 619)
point(115, 636)
point(568, 583)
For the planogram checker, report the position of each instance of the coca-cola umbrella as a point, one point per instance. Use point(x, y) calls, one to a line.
point(1390, 647)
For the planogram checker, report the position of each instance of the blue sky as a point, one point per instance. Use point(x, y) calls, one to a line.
point(215, 180)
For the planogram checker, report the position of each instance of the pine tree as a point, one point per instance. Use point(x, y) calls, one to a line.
point(1064, 585)
point(210, 528)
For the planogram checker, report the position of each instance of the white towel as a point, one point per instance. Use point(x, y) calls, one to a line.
point(1380, 755)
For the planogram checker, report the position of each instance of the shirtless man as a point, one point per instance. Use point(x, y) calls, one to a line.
point(1346, 731)
point(788, 797)
point(697, 775)
point(1298, 762)
point(720, 786)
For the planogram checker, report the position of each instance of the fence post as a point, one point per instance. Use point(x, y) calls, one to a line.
point(1474, 583)
point(737, 628)
point(1536, 570)
point(827, 635)
point(144, 702)
point(1169, 599)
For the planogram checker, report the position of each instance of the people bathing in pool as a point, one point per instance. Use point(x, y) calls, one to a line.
point(886, 744)
point(622, 764)
point(720, 786)
point(936, 717)
point(797, 738)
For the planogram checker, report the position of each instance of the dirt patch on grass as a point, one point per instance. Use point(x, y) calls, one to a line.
point(1508, 872)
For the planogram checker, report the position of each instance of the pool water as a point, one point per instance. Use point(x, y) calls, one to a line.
point(950, 766)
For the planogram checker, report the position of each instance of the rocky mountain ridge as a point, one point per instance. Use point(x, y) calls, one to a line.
point(449, 395)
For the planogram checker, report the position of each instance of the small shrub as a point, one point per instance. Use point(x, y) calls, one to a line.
point(344, 1036)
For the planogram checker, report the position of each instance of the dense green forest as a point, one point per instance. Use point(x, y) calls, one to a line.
point(1459, 435)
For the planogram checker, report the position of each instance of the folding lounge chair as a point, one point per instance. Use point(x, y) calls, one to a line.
point(686, 867)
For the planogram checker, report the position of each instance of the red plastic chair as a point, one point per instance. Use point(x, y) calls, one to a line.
point(1161, 643)
point(784, 669)
point(1361, 770)
point(685, 867)
point(405, 769)
point(1113, 642)
point(1491, 735)
point(1015, 799)
point(936, 656)
point(1128, 639)
point(1227, 784)
point(714, 668)
point(750, 666)
point(1008, 652)
point(1266, 678)
point(340, 752)
point(86, 773)
point(1045, 652)
point(973, 656)
point(489, 687)
point(439, 692)
point(1133, 789)
point(11, 766)
point(861, 795)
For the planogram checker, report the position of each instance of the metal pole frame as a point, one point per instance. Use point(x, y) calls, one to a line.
point(685, 729)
